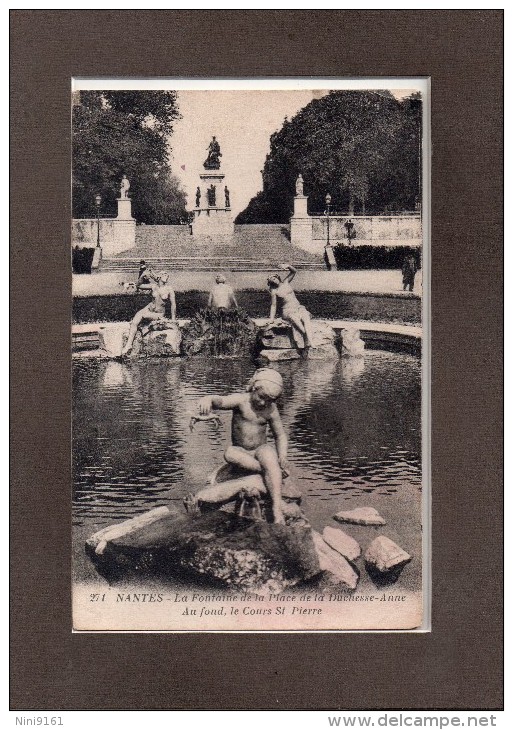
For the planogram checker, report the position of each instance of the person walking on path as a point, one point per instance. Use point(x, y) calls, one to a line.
point(409, 269)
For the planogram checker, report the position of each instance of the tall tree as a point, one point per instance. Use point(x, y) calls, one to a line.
point(118, 133)
point(360, 146)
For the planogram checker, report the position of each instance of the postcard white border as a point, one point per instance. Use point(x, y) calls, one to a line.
point(416, 83)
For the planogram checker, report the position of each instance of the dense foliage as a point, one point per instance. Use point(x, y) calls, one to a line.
point(374, 257)
point(219, 333)
point(362, 147)
point(125, 132)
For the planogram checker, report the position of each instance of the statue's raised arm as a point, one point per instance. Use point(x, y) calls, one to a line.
point(214, 153)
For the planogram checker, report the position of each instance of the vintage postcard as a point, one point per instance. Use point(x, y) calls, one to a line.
point(250, 355)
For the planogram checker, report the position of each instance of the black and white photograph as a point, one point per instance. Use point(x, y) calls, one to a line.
point(250, 340)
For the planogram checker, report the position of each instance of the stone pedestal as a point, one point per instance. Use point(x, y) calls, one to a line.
point(282, 342)
point(301, 206)
point(301, 226)
point(97, 257)
point(216, 219)
point(124, 209)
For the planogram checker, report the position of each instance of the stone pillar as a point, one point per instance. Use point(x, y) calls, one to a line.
point(301, 225)
point(124, 209)
point(301, 206)
point(212, 220)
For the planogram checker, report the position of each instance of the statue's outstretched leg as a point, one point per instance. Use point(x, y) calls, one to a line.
point(303, 325)
point(135, 324)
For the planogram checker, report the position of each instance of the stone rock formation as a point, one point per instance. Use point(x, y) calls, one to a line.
point(268, 356)
point(342, 543)
point(360, 516)
point(161, 339)
point(280, 341)
point(218, 549)
point(385, 560)
point(351, 344)
point(336, 570)
point(112, 336)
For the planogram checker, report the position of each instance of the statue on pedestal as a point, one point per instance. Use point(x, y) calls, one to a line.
point(226, 197)
point(299, 185)
point(198, 197)
point(211, 192)
point(214, 153)
point(125, 187)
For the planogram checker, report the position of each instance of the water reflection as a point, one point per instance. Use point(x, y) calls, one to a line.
point(351, 368)
point(353, 426)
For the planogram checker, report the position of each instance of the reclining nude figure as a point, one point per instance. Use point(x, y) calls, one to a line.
point(156, 309)
point(253, 411)
point(292, 310)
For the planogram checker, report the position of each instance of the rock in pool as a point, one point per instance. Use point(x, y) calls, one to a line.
point(336, 570)
point(161, 339)
point(342, 543)
point(218, 548)
point(385, 560)
point(360, 516)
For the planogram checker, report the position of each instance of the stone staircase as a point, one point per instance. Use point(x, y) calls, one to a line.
point(251, 248)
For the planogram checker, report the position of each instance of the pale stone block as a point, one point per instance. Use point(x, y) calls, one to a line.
point(112, 336)
point(360, 516)
point(342, 543)
point(301, 236)
point(351, 343)
point(125, 209)
point(324, 352)
point(97, 257)
point(385, 556)
point(279, 355)
point(300, 206)
point(336, 569)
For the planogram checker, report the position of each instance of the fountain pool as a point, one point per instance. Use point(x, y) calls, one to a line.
point(354, 428)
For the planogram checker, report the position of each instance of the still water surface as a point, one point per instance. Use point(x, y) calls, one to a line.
point(354, 440)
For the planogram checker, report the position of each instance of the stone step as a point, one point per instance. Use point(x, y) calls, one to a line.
point(254, 243)
point(201, 264)
point(85, 337)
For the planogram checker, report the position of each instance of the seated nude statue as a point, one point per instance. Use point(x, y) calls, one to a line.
point(253, 412)
point(221, 296)
point(292, 311)
point(156, 309)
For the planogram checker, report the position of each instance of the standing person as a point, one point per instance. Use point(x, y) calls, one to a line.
point(292, 310)
point(156, 309)
point(409, 269)
point(221, 296)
